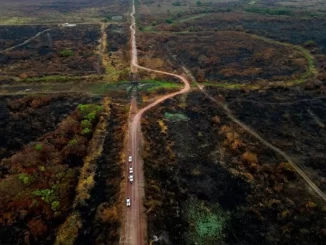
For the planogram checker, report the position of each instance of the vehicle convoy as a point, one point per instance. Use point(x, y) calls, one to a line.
point(128, 203)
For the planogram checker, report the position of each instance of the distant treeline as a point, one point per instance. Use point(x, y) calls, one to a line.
point(277, 11)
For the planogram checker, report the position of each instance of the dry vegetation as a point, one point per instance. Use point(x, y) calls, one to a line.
point(221, 177)
point(117, 65)
point(228, 56)
point(60, 51)
point(55, 11)
point(39, 177)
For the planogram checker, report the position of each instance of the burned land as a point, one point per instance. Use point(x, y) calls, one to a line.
point(209, 181)
point(58, 51)
point(51, 173)
point(226, 56)
point(56, 11)
point(117, 51)
point(13, 35)
point(292, 119)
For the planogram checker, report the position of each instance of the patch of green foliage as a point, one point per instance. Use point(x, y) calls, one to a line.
point(66, 53)
point(55, 205)
point(72, 142)
point(87, 109)
point(25, 178)
point(45, 194)
point(86, 131)
point(49, 196)
point(86, 124)
point(270, 11)
point(89, 113)
point(207, 226)
point(38, 147)
point(175, 117)
point(91, 116)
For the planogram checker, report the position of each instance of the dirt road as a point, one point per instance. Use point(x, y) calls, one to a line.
point(134, 60)
point(134, 232)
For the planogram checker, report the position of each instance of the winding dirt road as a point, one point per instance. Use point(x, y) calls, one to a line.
point(25, 42)
point(135, 229)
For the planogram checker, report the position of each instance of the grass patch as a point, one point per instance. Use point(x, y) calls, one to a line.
point(175, 117)
point(61, 78)
point(206, 225)
point(151, 85)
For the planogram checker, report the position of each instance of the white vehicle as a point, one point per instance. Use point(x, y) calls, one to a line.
point(131, 178)
point(130, 159)
point(131, 171)
point(128, 202)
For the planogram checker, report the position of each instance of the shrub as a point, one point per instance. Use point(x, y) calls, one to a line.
point(25, 178)
point(66, 53)
point(72, 142)
point(89, 111)
point(55, 205)
point(86, 131)
point(86, 124)
point(38, 147)
point(249, 157)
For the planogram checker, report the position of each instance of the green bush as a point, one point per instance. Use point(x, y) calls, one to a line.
point(46, 195)
point(86, 131)
point(91, 116)
point(38, 147)
point(86, 124)
point(55, 205)
point(89, 108)
point(25, 178)
point(72, 142)
point(66, 53)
